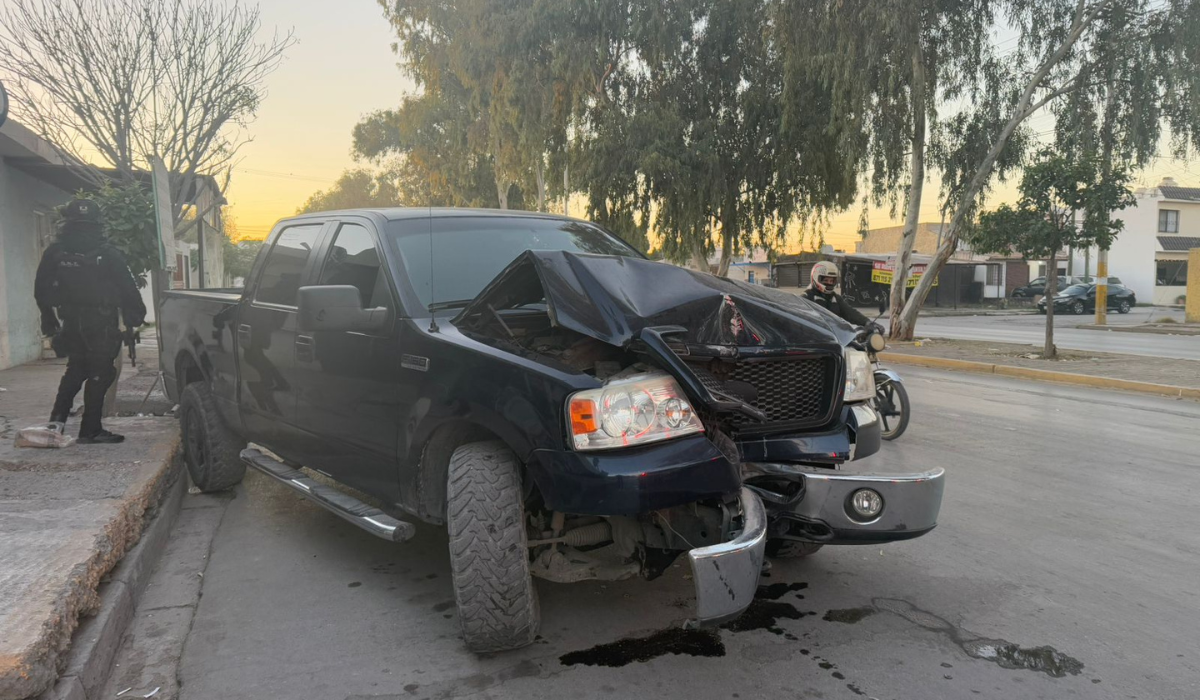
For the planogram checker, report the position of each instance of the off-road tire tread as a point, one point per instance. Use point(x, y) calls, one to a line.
point(485, 516)
point(224, 468)
point(791, 549)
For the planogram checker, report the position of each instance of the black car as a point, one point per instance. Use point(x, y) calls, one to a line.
point(1080, 299)
point(568, 409)
point(1037, 286)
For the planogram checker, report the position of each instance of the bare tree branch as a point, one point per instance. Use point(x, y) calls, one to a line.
point(116, 82)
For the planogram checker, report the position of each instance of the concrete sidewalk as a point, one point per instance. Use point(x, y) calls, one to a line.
point(67, 517)
point(1152, 375)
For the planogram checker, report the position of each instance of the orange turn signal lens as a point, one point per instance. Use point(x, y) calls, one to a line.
point(583, 416)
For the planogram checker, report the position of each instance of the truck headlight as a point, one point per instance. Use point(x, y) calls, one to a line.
point(627, 412)
point(860, 379)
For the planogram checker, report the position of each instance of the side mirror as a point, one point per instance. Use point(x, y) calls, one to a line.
point(337, 307)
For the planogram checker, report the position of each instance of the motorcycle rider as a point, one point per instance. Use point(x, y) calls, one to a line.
point(82, 282)
point(822, 291)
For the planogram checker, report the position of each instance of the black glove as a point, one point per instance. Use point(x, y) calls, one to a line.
point(50, 325)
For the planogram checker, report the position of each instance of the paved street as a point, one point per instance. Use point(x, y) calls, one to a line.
point(1032, 329)
point(1038, 546)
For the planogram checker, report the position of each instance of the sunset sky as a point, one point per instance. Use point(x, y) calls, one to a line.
point(343, 68)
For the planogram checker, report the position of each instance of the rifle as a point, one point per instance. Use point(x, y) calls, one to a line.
point(130, 339)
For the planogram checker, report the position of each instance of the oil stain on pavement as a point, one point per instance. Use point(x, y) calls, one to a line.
point(764, 613)
point(1043, 659)
point(689, 642)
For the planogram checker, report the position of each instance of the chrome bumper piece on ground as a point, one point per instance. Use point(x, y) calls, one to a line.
point(726, 574)
point(821, 512)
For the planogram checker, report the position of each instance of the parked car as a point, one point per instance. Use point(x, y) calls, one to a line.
point(1080, 299)
point(1037, 286)
point(1088, 279)
point(566, 408)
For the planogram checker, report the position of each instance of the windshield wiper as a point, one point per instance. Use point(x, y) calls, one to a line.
point(442, 305)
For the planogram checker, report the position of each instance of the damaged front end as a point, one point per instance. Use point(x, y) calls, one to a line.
point(718, 412)
point(724, 539)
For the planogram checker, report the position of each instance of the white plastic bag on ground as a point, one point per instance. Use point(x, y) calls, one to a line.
point(43, 436)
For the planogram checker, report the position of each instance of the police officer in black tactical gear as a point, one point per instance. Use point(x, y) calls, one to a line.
point(87, 281)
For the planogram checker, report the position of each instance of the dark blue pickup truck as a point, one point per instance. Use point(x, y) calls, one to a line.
point(568, 409)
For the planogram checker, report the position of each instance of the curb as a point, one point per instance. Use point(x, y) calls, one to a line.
point(1182, 330)
point(1044, 375)
point(95, 643)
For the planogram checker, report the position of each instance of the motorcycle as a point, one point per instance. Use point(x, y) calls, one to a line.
point(891, 398)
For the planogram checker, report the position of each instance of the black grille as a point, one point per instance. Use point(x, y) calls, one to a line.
point(792, 391)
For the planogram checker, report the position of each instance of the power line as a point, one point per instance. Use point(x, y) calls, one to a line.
point(291, 176)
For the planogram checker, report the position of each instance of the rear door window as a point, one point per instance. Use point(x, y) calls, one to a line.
point(283, 272)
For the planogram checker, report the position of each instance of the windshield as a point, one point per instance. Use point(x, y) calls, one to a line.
point(1074, 290)
point(468, 252)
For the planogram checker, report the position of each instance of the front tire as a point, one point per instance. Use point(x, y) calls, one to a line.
point(210, 449)
point(1123, 307)
point(1077, 308)
point(891, 401)
point(791, 549)
point(489, 552)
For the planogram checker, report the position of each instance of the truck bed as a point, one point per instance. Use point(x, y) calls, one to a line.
point(195, 324)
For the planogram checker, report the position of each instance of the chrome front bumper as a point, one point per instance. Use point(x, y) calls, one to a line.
point(726, 574)
point(821, 511)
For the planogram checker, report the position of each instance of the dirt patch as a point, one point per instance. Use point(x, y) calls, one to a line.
point(1158, 370)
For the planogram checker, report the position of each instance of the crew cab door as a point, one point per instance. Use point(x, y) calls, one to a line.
point(266, 336)
point(349, 393)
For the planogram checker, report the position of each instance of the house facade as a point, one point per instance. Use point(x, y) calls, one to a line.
point(1150, 255)
point(33, 181)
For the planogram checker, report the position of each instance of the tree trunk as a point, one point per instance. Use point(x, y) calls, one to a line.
point(699, 259)
point(502, 192)
point(541, 184)
point(726, 255)
point(904, 327)
point(566, 189)
point(915, 189)
point(1049, 351)
point(728, 232)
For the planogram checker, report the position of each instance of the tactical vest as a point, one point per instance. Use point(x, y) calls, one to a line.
point(80, 280)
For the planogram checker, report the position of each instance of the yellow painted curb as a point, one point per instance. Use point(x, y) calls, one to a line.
point(1044, 375)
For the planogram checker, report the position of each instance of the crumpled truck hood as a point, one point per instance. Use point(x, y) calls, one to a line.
point(612, 298)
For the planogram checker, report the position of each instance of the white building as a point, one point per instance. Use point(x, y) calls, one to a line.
point(1150, 255)
point(33, 181)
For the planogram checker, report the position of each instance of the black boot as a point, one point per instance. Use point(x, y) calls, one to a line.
point(101, 438)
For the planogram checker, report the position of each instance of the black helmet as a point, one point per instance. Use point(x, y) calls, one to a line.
point(81, 211)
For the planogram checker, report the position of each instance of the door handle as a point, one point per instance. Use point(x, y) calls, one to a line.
point(243, 334)
point(304, 348)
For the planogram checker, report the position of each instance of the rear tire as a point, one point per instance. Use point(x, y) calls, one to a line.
point(895, 421)
point(210, 449)
point(791, 549)
point(489, 553)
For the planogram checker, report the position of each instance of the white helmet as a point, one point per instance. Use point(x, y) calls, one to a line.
point(824, 276)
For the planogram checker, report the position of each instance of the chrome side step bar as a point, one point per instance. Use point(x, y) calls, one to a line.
point(341, 504)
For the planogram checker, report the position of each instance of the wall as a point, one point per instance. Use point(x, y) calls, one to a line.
point(21, 197)
point(887, 240)
point(1131, 256)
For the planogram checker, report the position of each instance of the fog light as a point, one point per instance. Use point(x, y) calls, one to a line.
point(865, 504)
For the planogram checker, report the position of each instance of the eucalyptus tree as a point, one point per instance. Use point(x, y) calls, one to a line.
point(693, 124)
point(888, 65)
point(1064, 47)
point(436, 145)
